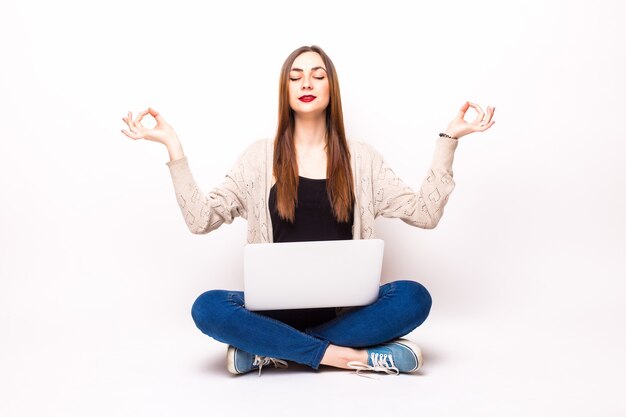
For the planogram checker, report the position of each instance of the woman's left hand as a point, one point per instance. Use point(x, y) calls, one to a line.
point(459, 127)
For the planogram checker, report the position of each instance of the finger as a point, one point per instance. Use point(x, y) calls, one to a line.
point(130, 134)
point(480, 111)
point(486, 126)
point(487, 117)
point(127, 121)
point(156, 115)
point(139, 117)
point(131, 124)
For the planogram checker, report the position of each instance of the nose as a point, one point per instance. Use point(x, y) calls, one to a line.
point(306, 83)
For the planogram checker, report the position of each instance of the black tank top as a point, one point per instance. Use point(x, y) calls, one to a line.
point(314, 219)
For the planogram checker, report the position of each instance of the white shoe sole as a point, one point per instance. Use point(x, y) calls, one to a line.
point(230, 360)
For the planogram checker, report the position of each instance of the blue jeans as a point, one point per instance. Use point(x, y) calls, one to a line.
point(401, 307)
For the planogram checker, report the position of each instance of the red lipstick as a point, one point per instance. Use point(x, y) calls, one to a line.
point(307, 99)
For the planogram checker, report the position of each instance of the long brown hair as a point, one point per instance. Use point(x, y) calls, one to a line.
point(339, 186)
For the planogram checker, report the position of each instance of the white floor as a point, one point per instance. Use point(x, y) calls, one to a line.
point(503, 366)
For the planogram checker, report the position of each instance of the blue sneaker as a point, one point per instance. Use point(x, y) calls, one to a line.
point(401, 355)
point(240, 362)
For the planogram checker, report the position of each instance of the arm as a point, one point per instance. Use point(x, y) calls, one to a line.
point(204, 213)
point(424, 209)
point(394, 199)
point(201, 213)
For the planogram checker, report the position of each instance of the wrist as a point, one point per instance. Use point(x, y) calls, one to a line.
point(175, 149)
point(448, 134)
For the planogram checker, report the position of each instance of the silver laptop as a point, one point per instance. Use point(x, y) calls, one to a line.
point(333, 273)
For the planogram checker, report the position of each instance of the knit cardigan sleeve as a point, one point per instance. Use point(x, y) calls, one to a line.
point(394, 199)
point(204, 213)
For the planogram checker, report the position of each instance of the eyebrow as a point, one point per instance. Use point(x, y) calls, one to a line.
point(312, 69)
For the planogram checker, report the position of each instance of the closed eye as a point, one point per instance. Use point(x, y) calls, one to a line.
point(296, 79)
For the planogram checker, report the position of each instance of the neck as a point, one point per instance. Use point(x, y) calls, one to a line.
point(310, 131)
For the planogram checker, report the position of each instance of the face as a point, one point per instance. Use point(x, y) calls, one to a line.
point(309, 91)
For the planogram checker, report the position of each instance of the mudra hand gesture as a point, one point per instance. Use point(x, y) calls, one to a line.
point(459, 127)
point(161, 133)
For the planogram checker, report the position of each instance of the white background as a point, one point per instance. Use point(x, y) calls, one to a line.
point(98, 270)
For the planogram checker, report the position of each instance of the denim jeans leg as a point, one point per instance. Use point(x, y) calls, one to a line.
point(401, 307)
point(221, 315)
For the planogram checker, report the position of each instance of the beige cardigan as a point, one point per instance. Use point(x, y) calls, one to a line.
point(379, 192)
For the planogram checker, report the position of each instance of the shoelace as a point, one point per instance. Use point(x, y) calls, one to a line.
point(381, 362)
point(261, 361)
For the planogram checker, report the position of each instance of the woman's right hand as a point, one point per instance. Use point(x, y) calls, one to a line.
point(161, 133)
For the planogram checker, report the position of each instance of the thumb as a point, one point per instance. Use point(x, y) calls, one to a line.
point(463, 110)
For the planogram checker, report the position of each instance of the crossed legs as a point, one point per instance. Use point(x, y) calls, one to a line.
point(400, 308)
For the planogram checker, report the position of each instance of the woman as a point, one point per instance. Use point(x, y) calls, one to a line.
point(312, 166)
